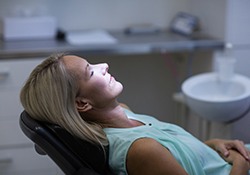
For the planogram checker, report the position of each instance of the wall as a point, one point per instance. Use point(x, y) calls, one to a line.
point(108, 14)
point(212, 14)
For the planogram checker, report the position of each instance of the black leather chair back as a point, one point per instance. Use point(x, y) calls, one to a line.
point(73, 155)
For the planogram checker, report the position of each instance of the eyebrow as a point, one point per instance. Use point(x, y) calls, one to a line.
point(87, 66)
point(86, 70)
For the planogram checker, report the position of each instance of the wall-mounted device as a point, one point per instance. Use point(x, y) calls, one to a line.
point(185, 24)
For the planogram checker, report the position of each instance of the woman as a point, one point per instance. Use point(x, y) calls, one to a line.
point(82, 98)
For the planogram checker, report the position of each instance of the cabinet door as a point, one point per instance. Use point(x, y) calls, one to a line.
point(10, 106)
point(13, 73)
point(17, 154)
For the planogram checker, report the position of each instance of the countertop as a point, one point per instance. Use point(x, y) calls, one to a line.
point(163, 41)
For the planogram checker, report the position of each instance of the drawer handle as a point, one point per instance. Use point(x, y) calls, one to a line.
point(6, 160)
point(4, 73)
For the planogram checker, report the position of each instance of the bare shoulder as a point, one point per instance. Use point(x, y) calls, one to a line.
point(147, 156)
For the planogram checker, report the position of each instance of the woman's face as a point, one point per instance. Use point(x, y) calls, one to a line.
point(97, 86)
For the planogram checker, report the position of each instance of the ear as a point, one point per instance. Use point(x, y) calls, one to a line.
point(82, 104)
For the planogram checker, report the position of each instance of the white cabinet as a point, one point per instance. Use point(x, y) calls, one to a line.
point(17, 154)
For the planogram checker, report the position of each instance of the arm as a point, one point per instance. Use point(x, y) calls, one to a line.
point(239, 163)
point(146, 156)
point(223, 147)
point(234, 152)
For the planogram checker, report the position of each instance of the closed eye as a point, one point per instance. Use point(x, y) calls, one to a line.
point(91, 73)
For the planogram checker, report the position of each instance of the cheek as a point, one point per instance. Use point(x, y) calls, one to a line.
point(98, 87)
point(88, 89)
point(106, 91)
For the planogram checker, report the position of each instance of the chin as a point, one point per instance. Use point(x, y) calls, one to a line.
point(119, 88)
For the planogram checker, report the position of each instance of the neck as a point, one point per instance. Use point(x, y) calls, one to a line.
point(110, 116)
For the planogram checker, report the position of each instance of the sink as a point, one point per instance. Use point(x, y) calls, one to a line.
point(215, 100)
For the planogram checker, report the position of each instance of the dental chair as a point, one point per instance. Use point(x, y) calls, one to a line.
point(74, 156)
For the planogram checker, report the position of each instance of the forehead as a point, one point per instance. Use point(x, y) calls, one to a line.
point(74, 62)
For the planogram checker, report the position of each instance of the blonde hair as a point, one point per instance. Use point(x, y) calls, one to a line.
point(49, 95)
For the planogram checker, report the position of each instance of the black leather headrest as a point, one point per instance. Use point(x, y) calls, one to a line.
point(92, 154)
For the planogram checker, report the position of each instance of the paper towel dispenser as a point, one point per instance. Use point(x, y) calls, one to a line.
point(37, 27)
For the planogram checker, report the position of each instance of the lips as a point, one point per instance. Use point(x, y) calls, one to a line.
point(111, 79)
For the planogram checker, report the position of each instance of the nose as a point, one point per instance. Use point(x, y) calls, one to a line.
point(104, 68)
